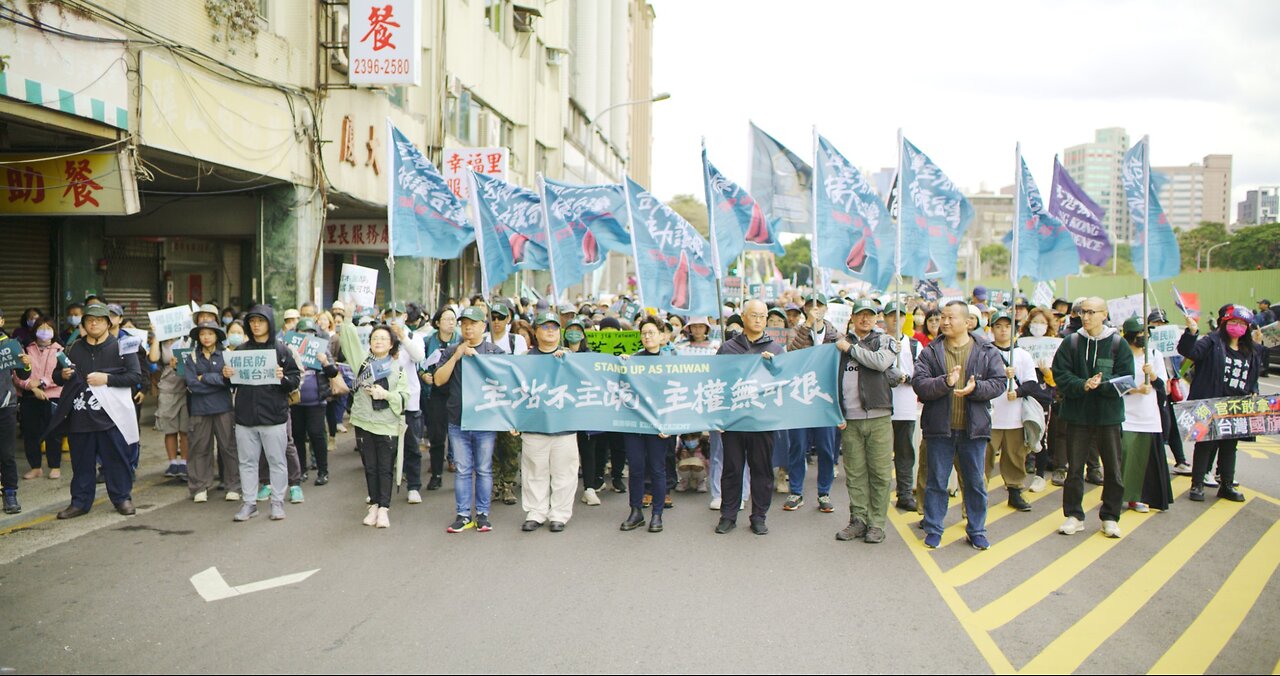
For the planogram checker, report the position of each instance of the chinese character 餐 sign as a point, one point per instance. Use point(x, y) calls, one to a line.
point(384, 42)
point(90, 184)
point(458, 161)
point(1227, 418)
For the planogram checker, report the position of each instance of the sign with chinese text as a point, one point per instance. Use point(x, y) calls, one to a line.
point(308, 348)
point(1042, 349)
point(1165, 339)
point(1271, 334)
point(90, 184)
point(458, 161)
point(732, 290)
point(10, 355)
point(384, 43)
point(1227, 418)
point(252, 367)
point(614, 342)
point(356, 235)
point(1120, 309)
point(173, 322)
point(357, 287)
point(668, 394)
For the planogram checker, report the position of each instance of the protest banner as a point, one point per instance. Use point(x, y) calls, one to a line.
point(1227, 418)
point(1042, 350)
point(732, 290)
point(129, 343)
point(1165, 339)
point(667, 394)
point(10, 355)
point(180, 354)
point(691, 351)
point(1043, 295)
point(614, 342)
point(780, 336)
point(357, 287)
point(838, 314)
point(252, 367)
point(1120, 309)
point(140, 334)
point(173, 322)
point(1271, 335)
point(308, 348)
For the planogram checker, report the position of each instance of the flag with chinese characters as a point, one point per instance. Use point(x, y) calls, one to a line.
point(1046, 249)
point(852, 229)
point(780, 183)
point(1150, 226)
point(934, 215)
point(737, 221)
point(583, 221)
point(424, 218)
point(512, 235)
point(1069, 203)
point(673, 260)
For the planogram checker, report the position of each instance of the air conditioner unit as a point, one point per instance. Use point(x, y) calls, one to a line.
point(454, 86)
point(339, 36)
point(490, 132)
point(555, 57)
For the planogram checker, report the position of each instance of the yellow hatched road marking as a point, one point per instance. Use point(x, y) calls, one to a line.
point(995, 512)
point(977, 566)
point(1256, 454)
point(1201, 643)
point(1067, 652)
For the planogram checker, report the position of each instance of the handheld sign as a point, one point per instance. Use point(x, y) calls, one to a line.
point(1042, 350)
point(358, 286)
point(173, 322)
point(1271, 335)
point(11, 354)
point(308, 348)
point(180, 353)
point(838, 314)
point(252, 367)
point(1165, 339)
point(614, 342)
point(1120, 309)
point(129, 343)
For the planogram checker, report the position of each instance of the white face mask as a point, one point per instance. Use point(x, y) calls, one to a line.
point(1038, 330)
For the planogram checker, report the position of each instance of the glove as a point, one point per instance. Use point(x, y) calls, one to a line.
point(378, 392)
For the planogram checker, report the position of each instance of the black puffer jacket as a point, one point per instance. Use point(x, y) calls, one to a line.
point(258, 405)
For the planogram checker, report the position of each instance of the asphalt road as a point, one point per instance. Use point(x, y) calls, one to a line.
point(1192, 588)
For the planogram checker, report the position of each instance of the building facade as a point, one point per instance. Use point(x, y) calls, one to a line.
point(1259, 206)
point(1197, 192)
point(1096, 168)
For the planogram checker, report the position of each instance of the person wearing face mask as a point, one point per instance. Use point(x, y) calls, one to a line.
point(1052, 451)
point(593, 451)
point(691, 463)
point(1007, 439)
point(235, 335)
point(25, 333)
point(1146, 474)
point(1172, 366)
point(1227, 364)
point(39, 399)
point(9, 425)
point(228, 316)
point(435, 404)
point(71, 332)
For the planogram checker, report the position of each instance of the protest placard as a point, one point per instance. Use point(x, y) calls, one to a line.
point(180, 354)
point(1043, 295)
point(173, 322)
point(780, 336)
point(10, 355)
point(838, 314)
point(1120, 309)
point(1271, 334)
point(1041, 349)
point(129, 343)
point(691, 351)
point(357, 287)
point(732, 290)
point(1227, 418)
point(308, 348)
point(614, 342)
point(1165, 339)
point(252, 367)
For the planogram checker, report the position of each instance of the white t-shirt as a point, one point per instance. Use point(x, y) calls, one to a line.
point(504, 343)
point(1005, 414)
point(1142, 411)
point(906, 406)
point(410, 354)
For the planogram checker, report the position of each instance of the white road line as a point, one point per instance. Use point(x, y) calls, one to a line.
point(212, 587)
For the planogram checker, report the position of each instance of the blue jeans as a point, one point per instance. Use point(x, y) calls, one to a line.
point(969, 455)
point(781, 449)
point(824, 440)
point(473, 452)
point(717, 469)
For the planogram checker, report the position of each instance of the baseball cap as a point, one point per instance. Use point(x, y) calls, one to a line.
point(980, 292)
point(291, 313)
point(864, 305)
point(473, 313)
point(116, 310)
point(820, 298)
point(96, 310)
point(997, 316)
point(894, 306)
point(1133, 325)
point(395, 306)
point(546, 317)
point(501, 309)
point(305, 324)
point(578, 322)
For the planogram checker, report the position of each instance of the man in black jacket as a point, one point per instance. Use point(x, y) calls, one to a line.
point(753, 449)
point(96, 414)
point(262, 414)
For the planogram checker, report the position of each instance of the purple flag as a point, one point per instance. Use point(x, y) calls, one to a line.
point(1070, 204)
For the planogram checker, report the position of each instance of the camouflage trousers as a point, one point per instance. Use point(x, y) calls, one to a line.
point(506, 459)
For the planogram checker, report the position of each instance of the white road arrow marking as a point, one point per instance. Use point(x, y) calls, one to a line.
point(212, 587)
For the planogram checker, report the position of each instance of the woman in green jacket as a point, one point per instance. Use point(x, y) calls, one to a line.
point(377, 407)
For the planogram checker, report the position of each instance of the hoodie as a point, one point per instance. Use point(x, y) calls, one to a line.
point(1078, 359)
point(259, 405)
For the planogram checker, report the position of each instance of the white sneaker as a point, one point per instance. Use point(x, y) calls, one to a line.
point(589, 497)
point(342, 429)
point(1182, 469)
point(372, 517)
point(384, 519)
point(1037, 484)
point(1071, 526)
point(415, 497)
point(715, 505)
point(202, 496)
point(232, 496)
point(1140, 507)
point(1210, 480)
point(1111, 529)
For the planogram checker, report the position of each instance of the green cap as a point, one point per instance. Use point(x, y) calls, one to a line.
point(396, 307)
point(578, 322)
point(500, 308)
point(817, 298)
point(1133, 325)
point(894, 306)
point(546, 317)
point(997, 316)
point(305, 324)
point(96, 310)
point(864, 305)
point(473, 313)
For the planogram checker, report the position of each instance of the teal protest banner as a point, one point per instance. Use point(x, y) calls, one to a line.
point(252, 367)
point(667, 394)
point(10, 355)
point(308, 348)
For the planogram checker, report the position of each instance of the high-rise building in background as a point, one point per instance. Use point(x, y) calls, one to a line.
point(1259, 206)
point(1096, 168)
point(1197, 192)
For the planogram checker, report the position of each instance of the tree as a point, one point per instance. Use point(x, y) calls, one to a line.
point(796, 261)
point(1124, 264)
point(995, 260)
point(693, 210)
point(1197, 240)
point(1252, 248)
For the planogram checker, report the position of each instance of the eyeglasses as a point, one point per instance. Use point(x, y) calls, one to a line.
point(1090, 313)
point(648, 334)
point(757, 315)
point(549, 326)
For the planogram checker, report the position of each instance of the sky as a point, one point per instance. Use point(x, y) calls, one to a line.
point(965, 82)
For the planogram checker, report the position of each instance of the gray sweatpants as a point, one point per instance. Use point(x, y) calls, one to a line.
point(204, 429)
point(252, 441)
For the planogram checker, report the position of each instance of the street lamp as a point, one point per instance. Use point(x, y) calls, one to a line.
point(591, 129)
point(1208, 262)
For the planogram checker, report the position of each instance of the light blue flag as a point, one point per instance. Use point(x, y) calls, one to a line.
point(512, 234)
point(1150, 226)
point(738, 221)
point(582, 220)
point(853, 232)
point(780, 182)
point(424, 217)
point(1046, 249)
point(934, 214)
point(672, 260)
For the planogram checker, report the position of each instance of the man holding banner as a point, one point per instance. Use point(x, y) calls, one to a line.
point(548, 462)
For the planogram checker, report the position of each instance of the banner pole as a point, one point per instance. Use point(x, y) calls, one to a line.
point(813, 214)
point(546, 223)
point(715, 239)
point(391, 202)
point(635, 246)
point(1014, 272)
point(1146, 240)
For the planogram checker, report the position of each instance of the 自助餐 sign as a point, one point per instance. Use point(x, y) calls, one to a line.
point(86, 184)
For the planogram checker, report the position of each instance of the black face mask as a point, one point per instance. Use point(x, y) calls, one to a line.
point(1136, 340)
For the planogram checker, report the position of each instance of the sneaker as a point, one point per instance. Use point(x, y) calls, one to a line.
point(589, 497)
point(435, 483)
point(715, 505)
point(171, 471)
point(277, 510)
point(232, 496)
point(460, 524)
point(202, 496)
point(1094, 476)
point(264, 492)
point(647, 502)
point(482, 523)
point(342, 429)
point(1196, 494)
point(702, 486)
point(295, 495)
point(1229, 493)
point(978, 542)
point(415, 498)
point(874, 536)
point(793, 503)
point(11, 505)
point(1016, 501)
point(1182, 469)
point(1037, 484)
point(907, 503)
point(247, 511)
point(322, 478)
point(509, 494)
point(1071, 526)
point(182, 471)
point(825, 505)
point(1139, 507)
point(332, 440)
point(1111, 529)
point(780, 481)
point(1210, 481)
point(619, 486)
point(666, 502)
point(1059, 477)
point(384, 519)
point(932, 540)
point(371, 517)
point(856, 529)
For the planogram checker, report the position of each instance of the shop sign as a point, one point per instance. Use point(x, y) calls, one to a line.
point(88, 184)
point(458, 161)
point(385, 43)
point(356, 235)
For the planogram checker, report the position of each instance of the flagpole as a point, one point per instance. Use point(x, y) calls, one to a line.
point(635, 247)
point(813, 214)
point(1013, 267)
point(546, 225)
point(473, 210)
point(897, 249)
point(715, 240)
point(1146, 239)
point(391, 205)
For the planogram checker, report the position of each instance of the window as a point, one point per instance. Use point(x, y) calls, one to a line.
point(494, 12)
